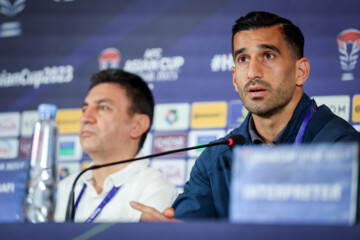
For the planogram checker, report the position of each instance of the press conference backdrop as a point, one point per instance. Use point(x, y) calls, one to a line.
point(182, 49)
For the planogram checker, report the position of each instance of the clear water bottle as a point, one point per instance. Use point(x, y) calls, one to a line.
point(40, 199)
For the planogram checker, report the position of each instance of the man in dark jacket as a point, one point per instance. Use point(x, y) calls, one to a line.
point(269, 74)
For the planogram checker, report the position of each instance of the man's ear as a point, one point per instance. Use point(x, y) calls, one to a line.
point(140, 123)
point(234, 78)
point(302, 71)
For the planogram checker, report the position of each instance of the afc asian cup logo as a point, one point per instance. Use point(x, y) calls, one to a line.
point(13, 28)
point(349, 47)
point(109, 58)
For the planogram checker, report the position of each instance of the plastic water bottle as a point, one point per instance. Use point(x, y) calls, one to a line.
point(40, 199)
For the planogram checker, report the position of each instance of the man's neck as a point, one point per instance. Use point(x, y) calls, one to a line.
point(268, 127)
point(99, 175)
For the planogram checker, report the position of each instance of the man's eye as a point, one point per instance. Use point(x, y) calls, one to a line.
point(269, 56)
point(103, 107)
point(242, 59)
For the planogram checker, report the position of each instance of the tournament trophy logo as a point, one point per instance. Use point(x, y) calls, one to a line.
point(11, 29)
point(349, 47)
point(109, 58)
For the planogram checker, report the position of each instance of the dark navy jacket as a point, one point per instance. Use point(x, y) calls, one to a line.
point(206, 194)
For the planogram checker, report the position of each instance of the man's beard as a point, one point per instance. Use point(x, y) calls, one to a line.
point(266, 107)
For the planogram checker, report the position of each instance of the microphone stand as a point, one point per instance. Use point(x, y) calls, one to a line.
point(70, 211)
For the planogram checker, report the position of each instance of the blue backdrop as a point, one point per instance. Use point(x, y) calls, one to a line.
point(182, 48)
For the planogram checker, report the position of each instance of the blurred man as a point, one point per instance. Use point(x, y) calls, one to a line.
point(117, 115)
point(269, 74)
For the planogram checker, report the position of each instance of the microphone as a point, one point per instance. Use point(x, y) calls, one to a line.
point(70, 211)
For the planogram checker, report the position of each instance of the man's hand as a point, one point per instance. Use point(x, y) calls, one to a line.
point(150, 214)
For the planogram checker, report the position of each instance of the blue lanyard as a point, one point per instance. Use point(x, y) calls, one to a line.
point(300, 136)
point(98, 210)
point(80, 195)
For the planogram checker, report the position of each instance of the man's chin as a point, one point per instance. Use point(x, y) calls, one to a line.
point(258, 109)
point(89, 149)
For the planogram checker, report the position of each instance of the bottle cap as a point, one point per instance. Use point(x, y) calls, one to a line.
point(47, 110)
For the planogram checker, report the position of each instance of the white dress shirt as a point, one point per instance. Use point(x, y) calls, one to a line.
point(138, 182)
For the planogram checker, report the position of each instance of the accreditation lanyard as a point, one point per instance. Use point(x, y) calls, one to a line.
point(97, 211)
point(311, 111)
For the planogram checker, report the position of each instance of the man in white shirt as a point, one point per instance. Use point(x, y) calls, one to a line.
point(117, 115)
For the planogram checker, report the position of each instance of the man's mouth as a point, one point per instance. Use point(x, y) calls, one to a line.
point(256, 91)
point(86, 133)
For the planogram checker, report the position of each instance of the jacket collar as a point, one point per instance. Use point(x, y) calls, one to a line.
point(291, 129)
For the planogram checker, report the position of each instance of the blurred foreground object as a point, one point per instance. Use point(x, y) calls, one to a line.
point(39, 203)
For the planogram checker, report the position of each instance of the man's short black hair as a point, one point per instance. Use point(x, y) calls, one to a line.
point(137, 91)
point(256, 20)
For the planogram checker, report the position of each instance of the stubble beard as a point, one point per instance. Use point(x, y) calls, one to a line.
point(263, 107)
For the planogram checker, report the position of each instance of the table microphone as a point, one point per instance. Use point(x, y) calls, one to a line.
point(70, 211)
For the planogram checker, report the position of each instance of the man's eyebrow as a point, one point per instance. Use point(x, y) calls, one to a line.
point(85, 104)
point(269, 46)
point(262, 46)
point(239, 51)
point(104, 100)
point(99, 101)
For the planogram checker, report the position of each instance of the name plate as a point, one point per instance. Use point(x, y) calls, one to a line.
point(309, 184)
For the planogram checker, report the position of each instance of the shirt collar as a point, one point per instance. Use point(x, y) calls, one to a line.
point(256, 139)
point(120, 177)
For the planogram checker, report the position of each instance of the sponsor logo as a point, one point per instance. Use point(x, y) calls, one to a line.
point(237, 113)
point(14, 165)
point(209, 115)
point(154, 67)
point(25, 147)
point(9, 148)
point(11, 10)
point(66, 169)
point(173, 169)
point(11, 29)
point(69, 147)
point(356, 109)
point(349, 47)
point(339, 105)
point(170, 117)
point(200, 137)
point(63, 173)
point(109, 58)
point(5, 147)
point(9, 124)
point(68, 120)
point(26, 77)
point(28, 120)
point(221, 62)
point(167, 142)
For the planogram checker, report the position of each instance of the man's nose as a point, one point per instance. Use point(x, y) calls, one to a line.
point(254, 69)
point(88, 116)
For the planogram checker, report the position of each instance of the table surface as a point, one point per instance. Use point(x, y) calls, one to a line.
point(189, 230)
